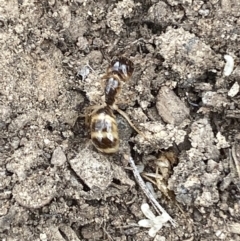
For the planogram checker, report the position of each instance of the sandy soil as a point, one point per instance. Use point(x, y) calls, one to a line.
point(183, 96)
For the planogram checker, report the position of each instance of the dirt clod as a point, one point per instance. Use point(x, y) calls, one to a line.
point(170, 107)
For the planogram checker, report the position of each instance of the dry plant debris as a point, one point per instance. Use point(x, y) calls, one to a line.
point(159, 209)
point(153, 222)
point(163, 165)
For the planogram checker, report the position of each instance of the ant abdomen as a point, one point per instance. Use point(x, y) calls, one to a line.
point(104, 130)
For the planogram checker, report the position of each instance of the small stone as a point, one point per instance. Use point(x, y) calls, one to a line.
point(234, 90)
point(43, 237)
point(58, 157)
point(35, 191)
point(5, 113)
point(221, 141)
point(19, 28)
point(170, 107)
point(228, 68)
point(93, 168)
point(234, 228)
point(220, 234)
point(82, 43)
point(214, 99)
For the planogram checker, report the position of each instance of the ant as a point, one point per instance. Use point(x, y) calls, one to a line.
point(102, 121)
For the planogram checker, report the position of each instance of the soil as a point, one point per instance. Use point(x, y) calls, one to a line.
point(183, 97)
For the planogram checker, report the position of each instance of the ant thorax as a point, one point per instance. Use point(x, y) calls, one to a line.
point(112, 88)
point(120, 69)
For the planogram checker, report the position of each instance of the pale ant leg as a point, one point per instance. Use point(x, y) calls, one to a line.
point(123, 114)
point(82, 115)
point(103, 81)
point(89, 111)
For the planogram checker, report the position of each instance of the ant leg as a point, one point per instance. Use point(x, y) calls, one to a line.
point(81, 115)
point(122, 113)
point(89, 111)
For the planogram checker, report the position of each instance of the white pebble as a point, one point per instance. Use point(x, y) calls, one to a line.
point(221, 141)
point(159, 238)
point(234, 90)
point(43, 237)
point(58, 157)
point(228, 68)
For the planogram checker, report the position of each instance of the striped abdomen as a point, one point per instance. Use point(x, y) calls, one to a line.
point(104, 131)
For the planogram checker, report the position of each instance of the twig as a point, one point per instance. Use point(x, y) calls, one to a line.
point(159, 209)
point(235, 159)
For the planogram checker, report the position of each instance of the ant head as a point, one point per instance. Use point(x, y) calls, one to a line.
point(121, 66)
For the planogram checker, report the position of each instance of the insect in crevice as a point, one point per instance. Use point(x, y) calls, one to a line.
point(101, 119)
